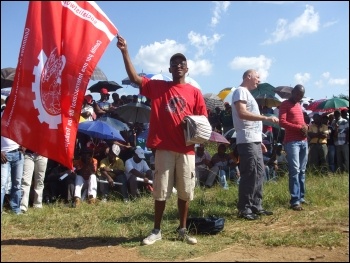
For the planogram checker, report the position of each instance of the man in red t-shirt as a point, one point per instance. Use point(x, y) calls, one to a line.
point(171, 102)
point(295, 144)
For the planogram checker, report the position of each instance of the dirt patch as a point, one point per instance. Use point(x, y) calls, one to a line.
point(86, 250)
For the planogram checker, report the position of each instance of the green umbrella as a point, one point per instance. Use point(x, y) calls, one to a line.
point(262, 89)
point(333, 103)
point(267, 100)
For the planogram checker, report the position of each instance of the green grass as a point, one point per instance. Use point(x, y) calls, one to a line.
point(116, 223)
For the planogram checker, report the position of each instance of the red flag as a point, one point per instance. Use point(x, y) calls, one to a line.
point(61, 45)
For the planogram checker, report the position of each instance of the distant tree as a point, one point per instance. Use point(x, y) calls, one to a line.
point(342, 96)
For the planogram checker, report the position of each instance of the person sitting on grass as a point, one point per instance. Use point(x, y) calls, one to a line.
point(203, 165)
point(85, 171)
point(219, 165)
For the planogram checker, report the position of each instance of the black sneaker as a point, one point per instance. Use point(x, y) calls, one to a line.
point(264, 213)
point(250, 216)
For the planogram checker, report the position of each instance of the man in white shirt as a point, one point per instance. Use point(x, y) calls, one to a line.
point(137, 167)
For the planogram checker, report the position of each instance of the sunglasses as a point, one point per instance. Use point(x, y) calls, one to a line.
point(174, 64)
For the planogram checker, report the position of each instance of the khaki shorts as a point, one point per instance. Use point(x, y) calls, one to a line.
point(174, 169)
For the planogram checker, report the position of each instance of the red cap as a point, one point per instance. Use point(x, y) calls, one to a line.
point(104, 91)
point(88, 98)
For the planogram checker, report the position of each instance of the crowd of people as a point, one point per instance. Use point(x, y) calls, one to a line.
point(100, 166)
point(252, 157)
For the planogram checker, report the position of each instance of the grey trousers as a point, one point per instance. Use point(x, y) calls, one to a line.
point(250, 188)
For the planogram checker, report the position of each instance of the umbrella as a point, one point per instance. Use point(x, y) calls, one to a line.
point(231, 133)
point(217, 137)
point(7, 77)
point(6, 91)
point(127, 81)
point(100, 129)
point(143, 134)
point(212, 101)
point(313, 105)
point(263, 88)
point(267, 100)
point(109, 85)
point(117, 124)
point(285, 92)
point(134, 112)
point(159, 77)
point(332, 104)
point(224, 92)
point(191, 81)
point(98, 74)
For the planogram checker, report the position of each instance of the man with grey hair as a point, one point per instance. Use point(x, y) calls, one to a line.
point(248, 124)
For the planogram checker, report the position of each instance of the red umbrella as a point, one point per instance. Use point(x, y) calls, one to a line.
point(217, 137)
point(321, 106)
point(313, 105)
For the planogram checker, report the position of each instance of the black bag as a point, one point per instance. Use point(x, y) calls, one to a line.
point(205, 225)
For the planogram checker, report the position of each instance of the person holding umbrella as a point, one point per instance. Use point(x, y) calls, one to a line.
point(171, 102)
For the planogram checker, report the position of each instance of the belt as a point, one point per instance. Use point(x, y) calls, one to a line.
point(15, 150)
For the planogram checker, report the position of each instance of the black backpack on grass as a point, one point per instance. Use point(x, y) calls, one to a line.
point(205, 225)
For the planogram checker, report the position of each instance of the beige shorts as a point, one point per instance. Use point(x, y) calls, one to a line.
point(173, 169)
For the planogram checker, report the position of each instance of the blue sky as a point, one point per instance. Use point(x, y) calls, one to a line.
point(289, 43)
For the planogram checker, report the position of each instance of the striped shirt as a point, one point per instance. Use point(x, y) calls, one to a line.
point(342, 129)
point(292, 120)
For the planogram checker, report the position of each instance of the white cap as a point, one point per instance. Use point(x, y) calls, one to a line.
point(140, 153)
point(115, 149)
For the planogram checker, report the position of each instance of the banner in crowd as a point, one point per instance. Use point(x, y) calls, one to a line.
point(61, 45)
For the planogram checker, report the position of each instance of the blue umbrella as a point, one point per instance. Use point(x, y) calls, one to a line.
point(127, 81)
point(119, 125)
point(100, 129)
point(143, 135)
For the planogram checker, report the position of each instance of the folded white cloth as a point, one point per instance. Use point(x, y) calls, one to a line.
point(198, 129)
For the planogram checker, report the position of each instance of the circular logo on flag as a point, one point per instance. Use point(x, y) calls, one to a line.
point(47, 88)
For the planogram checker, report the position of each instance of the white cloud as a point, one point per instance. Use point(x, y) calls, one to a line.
point(306, 23)
point(338, 82)
point(319, 83)
point(326, 75)
point(302, 78)
point(199, 67)
point(330, 23)
point(261, 64)
point(154, 58)
point(203, 43)
point(220, 7)
point(277, 2)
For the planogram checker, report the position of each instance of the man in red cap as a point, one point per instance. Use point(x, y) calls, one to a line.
point(102, 106)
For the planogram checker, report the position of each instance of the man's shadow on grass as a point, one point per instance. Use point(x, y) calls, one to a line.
point(73, 243)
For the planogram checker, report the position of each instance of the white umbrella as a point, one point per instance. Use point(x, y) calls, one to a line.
point(191, 81)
